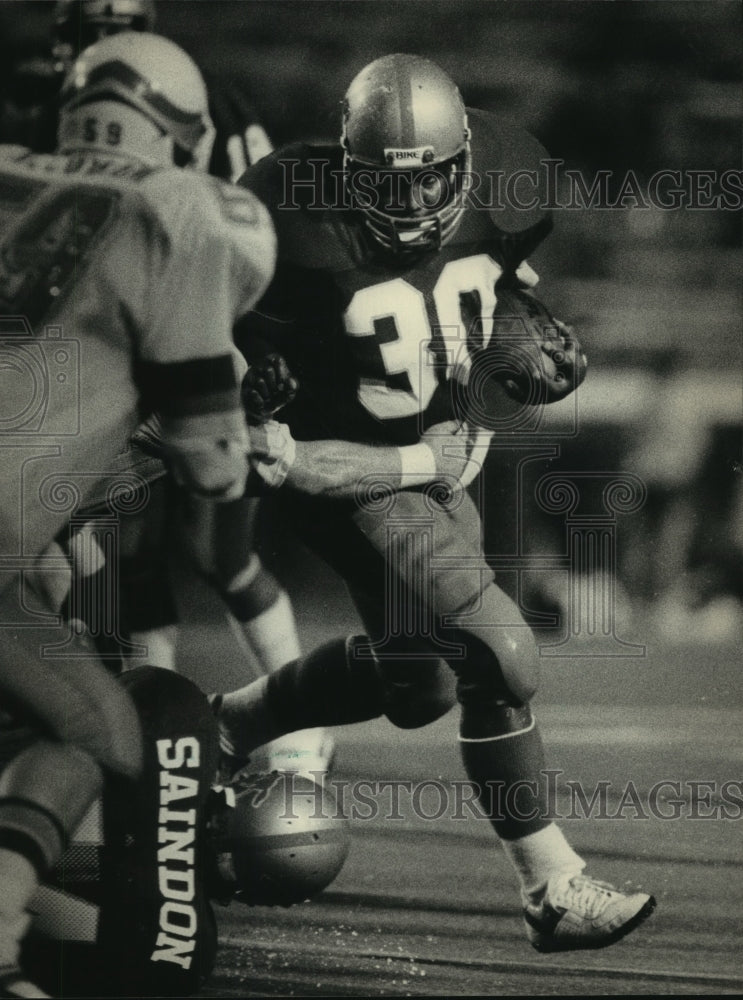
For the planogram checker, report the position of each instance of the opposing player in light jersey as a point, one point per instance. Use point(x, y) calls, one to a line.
point(120, 279)
point(395, 249)
point(259, 609)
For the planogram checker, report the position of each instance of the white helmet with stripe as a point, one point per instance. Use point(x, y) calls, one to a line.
point(136, 75)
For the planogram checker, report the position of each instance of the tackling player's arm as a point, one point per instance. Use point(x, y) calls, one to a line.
point(240, 140)
point(211, 266)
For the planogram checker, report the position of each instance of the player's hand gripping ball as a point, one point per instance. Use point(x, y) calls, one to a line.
point(267, 387)
point(535, 357)
point(282, 840)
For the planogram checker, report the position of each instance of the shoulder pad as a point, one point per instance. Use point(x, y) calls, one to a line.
point(301, 184)
point(266, 178)
point(501, 151)
point(188, 203)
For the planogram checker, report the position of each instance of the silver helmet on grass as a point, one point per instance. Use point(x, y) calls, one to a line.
point(281, 838)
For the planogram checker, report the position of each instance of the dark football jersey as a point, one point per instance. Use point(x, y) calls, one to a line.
point(379, 344)
point(240, 138)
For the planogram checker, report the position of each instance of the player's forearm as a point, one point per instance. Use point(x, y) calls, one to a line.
point(341, 469)
point(336, 468)
point(200, 427)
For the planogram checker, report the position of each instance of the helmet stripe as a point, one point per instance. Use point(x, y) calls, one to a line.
point(405, 101)
point(186, 127)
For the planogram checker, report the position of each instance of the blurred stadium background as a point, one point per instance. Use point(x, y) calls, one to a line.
point(654, 294)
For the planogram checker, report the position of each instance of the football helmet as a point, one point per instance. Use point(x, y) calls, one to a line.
point(280, 838)
point(406, 149)
point(150, 74)
point(80, 23)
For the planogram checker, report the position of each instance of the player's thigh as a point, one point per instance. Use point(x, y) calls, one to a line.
point(439, 585)
point(432, 552)
point(407, 544)
point(501, 656)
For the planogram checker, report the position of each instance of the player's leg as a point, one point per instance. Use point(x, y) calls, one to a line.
point(84, 717)
point(88, 722)
point(436, 580)
point(497, 674)
point(148, 613)
point(401, 672)
point(44, 793)
point(342, 681)
point(323, 688)
point(494, 673)
point(221, 539)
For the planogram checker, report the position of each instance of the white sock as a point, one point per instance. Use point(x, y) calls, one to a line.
point(272, 637)
point(537, 856)
point(23, 988)
point(308, 750)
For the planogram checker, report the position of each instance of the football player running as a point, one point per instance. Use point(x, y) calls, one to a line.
point(385, 256)
point(112, 250)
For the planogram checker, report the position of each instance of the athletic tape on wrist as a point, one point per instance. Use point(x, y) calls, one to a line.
point(418, 464)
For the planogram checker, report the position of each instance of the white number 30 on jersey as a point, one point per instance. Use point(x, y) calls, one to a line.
point(399, 309)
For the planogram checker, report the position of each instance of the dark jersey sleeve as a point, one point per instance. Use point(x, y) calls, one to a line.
point(241, 139)
point(509, 186)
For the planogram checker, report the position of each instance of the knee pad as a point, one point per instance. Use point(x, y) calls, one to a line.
point(416, 693)
point(501, 661)
point(494, 722)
